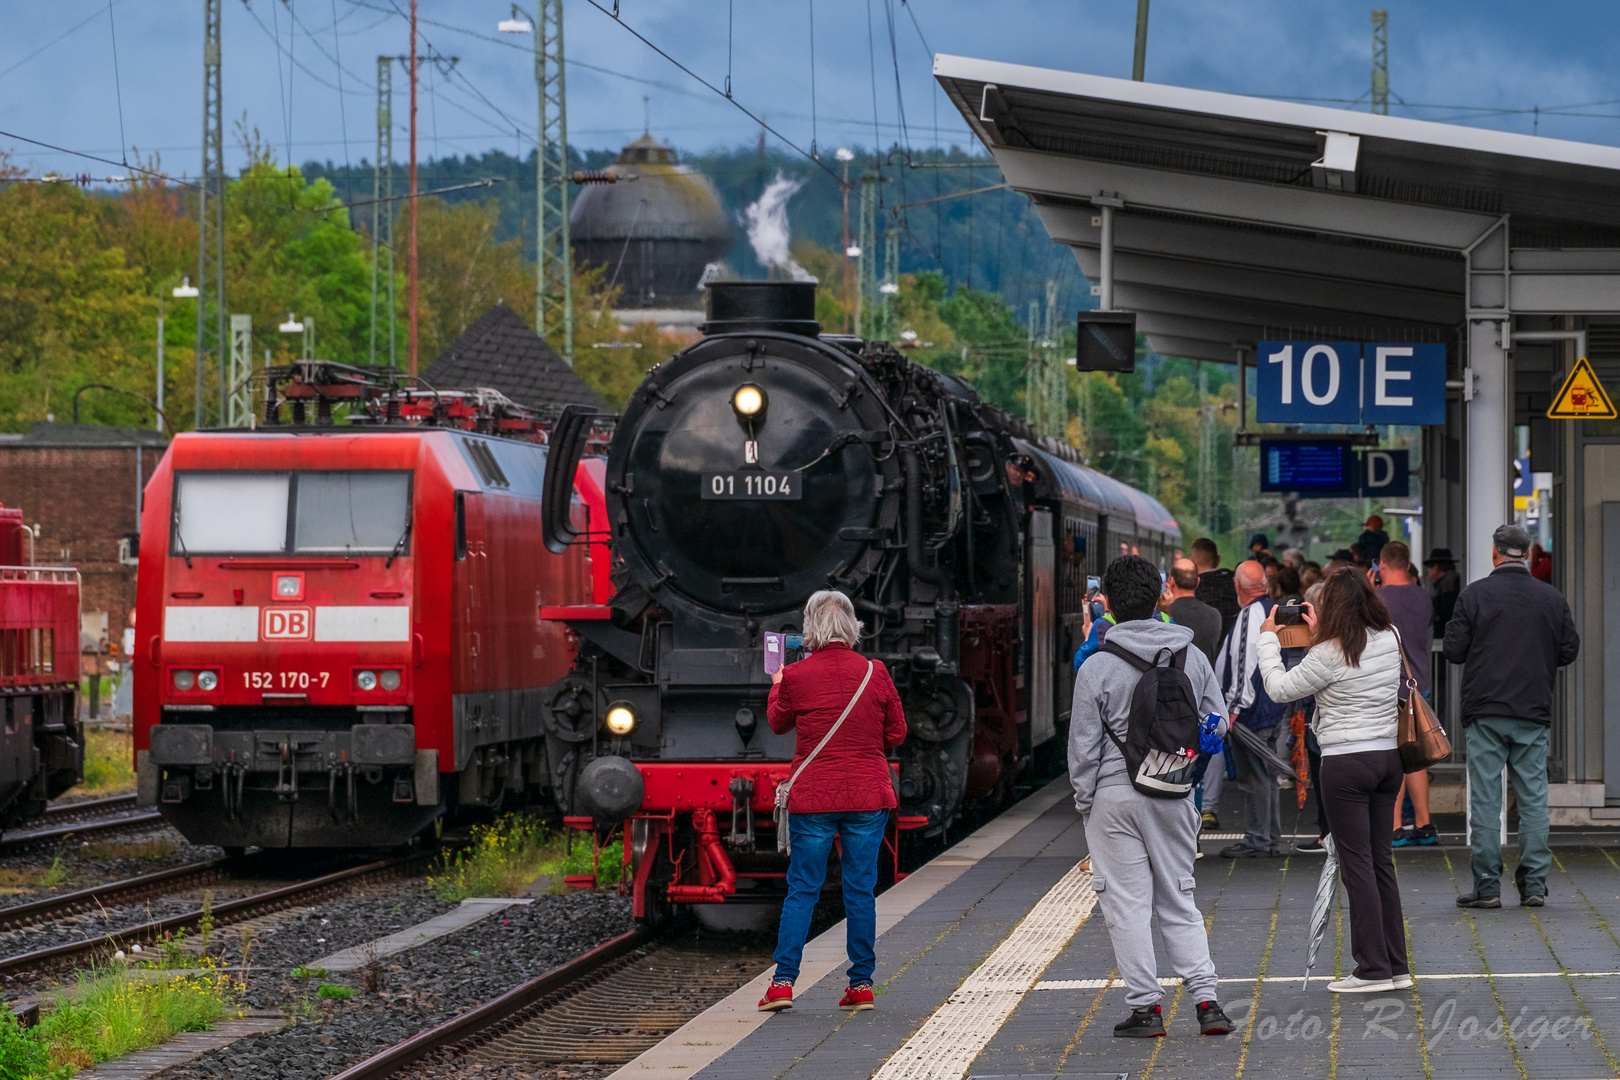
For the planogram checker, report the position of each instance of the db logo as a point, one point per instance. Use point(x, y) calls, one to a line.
point(286, 624)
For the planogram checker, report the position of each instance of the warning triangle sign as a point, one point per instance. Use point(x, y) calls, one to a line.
point(1582, 397)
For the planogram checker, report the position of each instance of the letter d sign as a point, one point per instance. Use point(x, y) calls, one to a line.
point(286, 624)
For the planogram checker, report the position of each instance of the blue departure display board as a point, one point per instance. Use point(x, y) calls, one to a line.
point(1321, 468)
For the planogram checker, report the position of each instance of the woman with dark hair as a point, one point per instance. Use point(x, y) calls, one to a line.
point(1354, 669)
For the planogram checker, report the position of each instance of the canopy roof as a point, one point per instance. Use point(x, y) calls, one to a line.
point(1241, 219)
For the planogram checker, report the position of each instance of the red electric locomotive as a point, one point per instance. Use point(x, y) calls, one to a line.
point(341, 624)
point(41, 742)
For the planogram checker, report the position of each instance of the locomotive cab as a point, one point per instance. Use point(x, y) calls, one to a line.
point(345, 636)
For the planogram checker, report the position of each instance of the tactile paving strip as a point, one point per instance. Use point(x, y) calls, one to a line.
point(947, 1044)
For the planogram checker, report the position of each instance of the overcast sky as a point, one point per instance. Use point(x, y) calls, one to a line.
point(60, 84)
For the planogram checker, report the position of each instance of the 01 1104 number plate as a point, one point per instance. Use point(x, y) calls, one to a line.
point(751, 484)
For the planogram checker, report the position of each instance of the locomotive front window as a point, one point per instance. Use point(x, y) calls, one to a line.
point(351, 512)
point(304, 513)
point(237, 513)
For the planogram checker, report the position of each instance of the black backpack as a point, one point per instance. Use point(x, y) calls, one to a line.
point(1161, 735)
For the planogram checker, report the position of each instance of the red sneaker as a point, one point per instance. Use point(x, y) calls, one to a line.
point(857, 999)
point(780, 996)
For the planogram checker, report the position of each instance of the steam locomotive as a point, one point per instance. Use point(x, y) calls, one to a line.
point(41, 739)
point(765, 462)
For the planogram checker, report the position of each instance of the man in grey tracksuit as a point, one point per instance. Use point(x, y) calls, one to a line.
point(1142, 848)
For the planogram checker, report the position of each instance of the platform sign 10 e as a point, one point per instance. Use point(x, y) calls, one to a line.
point(1346, 382)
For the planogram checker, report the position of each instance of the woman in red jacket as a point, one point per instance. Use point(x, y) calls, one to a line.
point(844, 791)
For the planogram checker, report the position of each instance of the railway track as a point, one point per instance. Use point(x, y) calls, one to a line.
point(223, 912)
point(24, 839)
point(606, 1006)
point(130, 890)
point(61, 812)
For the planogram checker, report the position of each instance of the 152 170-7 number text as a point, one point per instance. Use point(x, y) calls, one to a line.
point(284, 680)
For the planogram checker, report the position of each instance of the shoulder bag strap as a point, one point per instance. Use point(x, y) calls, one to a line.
point(782, 791)
point(1406, 667)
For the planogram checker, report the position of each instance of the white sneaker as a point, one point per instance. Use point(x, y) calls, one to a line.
point(1401, 982)
point(1352, 984)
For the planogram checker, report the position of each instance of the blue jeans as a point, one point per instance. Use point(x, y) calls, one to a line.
point(1520, 745)
point(862, 834)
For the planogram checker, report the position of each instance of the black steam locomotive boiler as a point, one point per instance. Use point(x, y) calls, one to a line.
point(765, 462)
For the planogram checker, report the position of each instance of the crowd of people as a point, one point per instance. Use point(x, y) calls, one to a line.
point(1184, 681)
point(1369, 617)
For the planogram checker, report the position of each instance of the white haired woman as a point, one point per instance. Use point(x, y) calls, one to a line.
point(843, 791)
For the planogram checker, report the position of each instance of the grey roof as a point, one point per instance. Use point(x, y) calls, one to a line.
point(1240, 219)
point(47, 434)
point(501, 352)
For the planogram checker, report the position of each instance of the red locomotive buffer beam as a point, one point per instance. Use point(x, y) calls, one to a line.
point(703, 789)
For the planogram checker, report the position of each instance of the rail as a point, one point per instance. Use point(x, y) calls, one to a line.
point(18, 841)
point(496, 1010)
point(223, 913)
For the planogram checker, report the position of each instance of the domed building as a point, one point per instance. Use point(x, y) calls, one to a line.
point(654, 230)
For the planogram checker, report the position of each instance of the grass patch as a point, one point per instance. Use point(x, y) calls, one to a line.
point(302, 972)
point(109, 762)
point(23, 879)
point(334, 992)
point(580, 858)
point(502, 859)
point(113, 1013)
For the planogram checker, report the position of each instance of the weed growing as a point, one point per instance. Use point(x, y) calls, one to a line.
point(502, 858)
point(334, 992)
point(117, 1012)
point(580, 858)
point(150, 850)
point(109, 762)
point(302, 972)
point(22, 1054)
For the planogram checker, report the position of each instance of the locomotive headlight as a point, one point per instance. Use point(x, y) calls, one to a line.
point(748, 401)
point(621, 719)
point(207, 680)
point(185, 680)
point(389, 680)
point(366, 680)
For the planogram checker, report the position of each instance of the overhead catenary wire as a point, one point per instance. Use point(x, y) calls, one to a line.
point(343, 114)
point(80, 25)
point(118, 83)
point(795, 147)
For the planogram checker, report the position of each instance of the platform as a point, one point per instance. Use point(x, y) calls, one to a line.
point(994, 962)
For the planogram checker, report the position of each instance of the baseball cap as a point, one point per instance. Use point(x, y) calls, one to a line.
point(1512, 541)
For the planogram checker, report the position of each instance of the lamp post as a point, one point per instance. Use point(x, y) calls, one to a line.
point(183, 291)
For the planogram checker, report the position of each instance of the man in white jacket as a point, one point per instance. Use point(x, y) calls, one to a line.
point(1248, 704)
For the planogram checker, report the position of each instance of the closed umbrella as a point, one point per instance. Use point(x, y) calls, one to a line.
point(1257, 744)
point(1326, 886)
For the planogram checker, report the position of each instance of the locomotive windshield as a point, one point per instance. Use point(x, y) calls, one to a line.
point(303, 513)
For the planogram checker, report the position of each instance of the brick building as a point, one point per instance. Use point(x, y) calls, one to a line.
point(78, 483)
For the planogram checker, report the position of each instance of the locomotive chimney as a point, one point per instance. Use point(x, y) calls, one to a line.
point(740, 307)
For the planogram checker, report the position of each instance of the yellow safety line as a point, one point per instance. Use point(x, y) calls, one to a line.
point(1338, 973)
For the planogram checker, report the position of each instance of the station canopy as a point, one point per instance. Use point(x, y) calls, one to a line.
point(1240, 219)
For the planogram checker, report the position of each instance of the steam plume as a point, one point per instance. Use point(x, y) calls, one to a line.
point(768, 229)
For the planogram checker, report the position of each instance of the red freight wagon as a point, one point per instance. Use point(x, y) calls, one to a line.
point(339, 631)
point(41, 743)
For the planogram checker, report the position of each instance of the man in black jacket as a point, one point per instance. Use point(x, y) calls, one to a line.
point(1215, 586)
point(1511, 633)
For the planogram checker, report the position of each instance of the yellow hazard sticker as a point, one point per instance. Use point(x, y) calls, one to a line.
point(1582, 397)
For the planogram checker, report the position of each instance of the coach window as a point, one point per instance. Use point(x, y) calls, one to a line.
point(461, 526)
point(352, 512)
point(239, 513)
